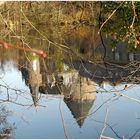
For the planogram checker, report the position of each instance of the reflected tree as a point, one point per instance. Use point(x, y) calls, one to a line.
point(6, 130)
point(121, 21)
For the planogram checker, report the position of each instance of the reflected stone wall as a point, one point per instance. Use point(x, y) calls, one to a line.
point(84, 89)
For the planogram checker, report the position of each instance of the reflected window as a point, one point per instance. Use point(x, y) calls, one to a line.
point(117, 56)
point(131, 56)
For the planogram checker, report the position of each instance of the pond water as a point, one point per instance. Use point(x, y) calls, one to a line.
point(69, 98)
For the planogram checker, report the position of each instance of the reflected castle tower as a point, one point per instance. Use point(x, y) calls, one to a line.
point(32, 76)
point(79, 92)
point(35, 78)
point(81, 99)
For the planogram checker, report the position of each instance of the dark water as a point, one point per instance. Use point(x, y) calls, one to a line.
point(69, 98)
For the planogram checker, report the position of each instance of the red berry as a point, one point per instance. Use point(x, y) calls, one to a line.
point(43, 55)
point(5, 45)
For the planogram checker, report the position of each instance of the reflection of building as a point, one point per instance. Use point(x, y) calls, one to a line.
point(32, 76)
point(79, 92)
point(81, 99)
point(121, 54)
point(59, 83)
point(80, 109)
point(83, 89)
point(35, 78)
point(108, 72)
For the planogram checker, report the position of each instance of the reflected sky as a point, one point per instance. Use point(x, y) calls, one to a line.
point(52, 114)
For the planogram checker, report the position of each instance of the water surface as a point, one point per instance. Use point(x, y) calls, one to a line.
point(65, 96)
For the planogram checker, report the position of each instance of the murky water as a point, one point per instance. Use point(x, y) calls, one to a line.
point(69, 97)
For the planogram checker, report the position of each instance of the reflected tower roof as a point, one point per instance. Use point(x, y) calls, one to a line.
point(80, 109)
point(34, 91)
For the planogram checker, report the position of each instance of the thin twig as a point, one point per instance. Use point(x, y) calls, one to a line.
point(104, 125)
point(136, 42)
point(62, 119)
point(110, 17)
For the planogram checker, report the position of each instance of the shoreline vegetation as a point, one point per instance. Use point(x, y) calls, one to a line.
point(61, 24)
